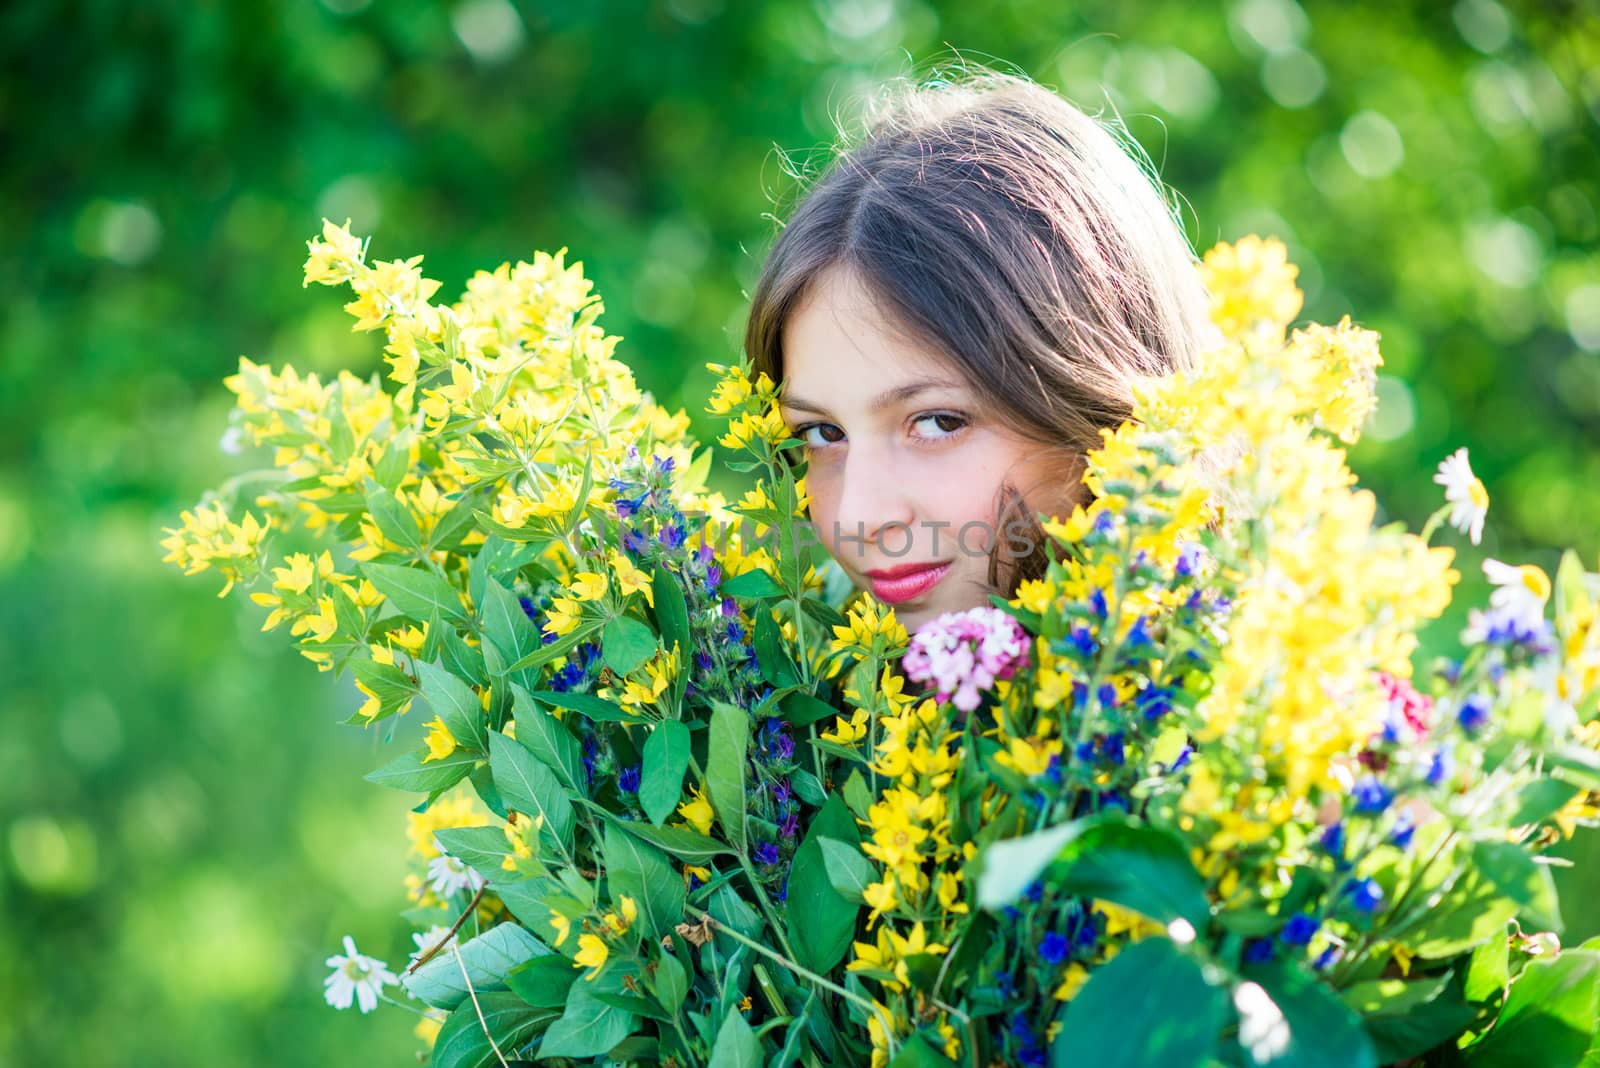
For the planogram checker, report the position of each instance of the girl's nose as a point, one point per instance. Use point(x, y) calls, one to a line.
point(875, 515)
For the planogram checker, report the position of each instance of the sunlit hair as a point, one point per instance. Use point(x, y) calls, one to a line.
point(1027, 244)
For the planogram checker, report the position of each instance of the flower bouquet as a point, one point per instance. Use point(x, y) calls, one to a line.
point(686, 799)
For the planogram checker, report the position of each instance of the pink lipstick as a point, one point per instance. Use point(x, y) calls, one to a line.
point(892, 585)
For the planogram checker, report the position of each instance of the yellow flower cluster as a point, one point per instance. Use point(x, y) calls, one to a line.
point(1304, 636)
point(594, 944)
point(208, 538)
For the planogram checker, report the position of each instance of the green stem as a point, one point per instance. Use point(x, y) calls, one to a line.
point(805, 973)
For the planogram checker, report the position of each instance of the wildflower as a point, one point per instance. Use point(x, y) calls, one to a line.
point(588, 586)
point(628, 780)
point(1366, 895)
point(562, 925)
point(1520, 591)
point(592, 954)
point(962, 654)
point(1053, 948)
point(448, 875)
point(1371, 796)
point(441, 743)
point(1474, 713)
point(1465, 492)
point(356, 978)
point(433, 938)
point(1405, 828)
point(1299, 929)
point(767, 853)
point(697, 810)
point(1252, 285)
point(869, 632)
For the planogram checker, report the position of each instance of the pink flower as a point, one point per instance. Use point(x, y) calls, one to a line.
point(961, 654)
point(1406, 706)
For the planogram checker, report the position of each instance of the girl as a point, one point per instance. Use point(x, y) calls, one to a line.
point(954, 310)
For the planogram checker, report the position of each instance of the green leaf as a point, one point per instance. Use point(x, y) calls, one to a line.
point(1489, 971)
point(1523, 879)
point(1289, 1019)
point(1150, 1005)
point(821, 921)
point(392, 687)
point(595, 709)
point(802, 710)
point(416, 592)
point(543, 982)
point(589, 1027)
point(672, 613)
point(1470, 913)
point(736, 1045)
point(507, 627)
point(921, 1050)
point(455, 703)
point(1540, 799)
point(1009, 867)
point(665, 759)
point(489, 958)
point(1139, 867)
point(528, 786)
point(670, 983)
point(549, 739)
point(856, 794)
point(729, 735)
point(1550, 1016)
point(461, 1042)
point(393, 519)
point(410, 773)
point(771, 652)
point(484, 848)
point(849, 871)
point(680, 842)
point(626, 643)
point(751, 584)
point(640, 871)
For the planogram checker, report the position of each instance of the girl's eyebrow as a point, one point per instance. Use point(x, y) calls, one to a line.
point(886, 399)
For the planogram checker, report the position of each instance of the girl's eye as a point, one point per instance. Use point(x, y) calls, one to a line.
point(944, 424)
point(804, 433)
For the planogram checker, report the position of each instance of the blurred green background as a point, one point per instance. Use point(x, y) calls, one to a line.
point(184, 833)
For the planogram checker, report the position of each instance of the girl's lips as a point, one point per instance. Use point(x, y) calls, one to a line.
point(905, 587)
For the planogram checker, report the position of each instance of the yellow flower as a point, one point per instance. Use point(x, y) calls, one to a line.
point(1252, 285)
point(848, 731)
point(335, 257)
point(631, 579)
point(562, 925)
point(441, 743)
point(881, 897)
point(592, 953)
point(697, 810)
point(564, 616)
point(1076, 976)
point(869, 631)
point(588, 586)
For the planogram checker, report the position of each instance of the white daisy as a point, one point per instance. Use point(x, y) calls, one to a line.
point(447, 875)
point(356, 977)
point(433, 936)
point(1465, 491)
point(1521, 591)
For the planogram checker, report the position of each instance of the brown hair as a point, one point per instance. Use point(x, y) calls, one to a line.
point(1017, 237)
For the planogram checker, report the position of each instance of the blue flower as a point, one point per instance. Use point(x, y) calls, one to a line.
point(634, 541)
point(663, 463)
point(1097, 602)
point(1188, 559)
point(628, 781)
point(1139, 633)
point(1405, 828)
point(1113, 748)
point(1333, 839)
point(1034, 890)
point(767, 853)
point(1299, 929)
point(1366, 895)
point(671, 536)
point(1327, 958)
point(1107, 693)
point(1474, 713)
point(628, 506)
point(1154, 702)
point(1053, 948)
point(1258, 951)
point(1439, 768)
point(734, 631)
point(1082, 639)
point(528, 607)
point(1371, 796)
point(1105, 524)
point(1183, 758)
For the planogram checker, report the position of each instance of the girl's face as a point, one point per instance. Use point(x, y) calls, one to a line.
point(905, 463)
